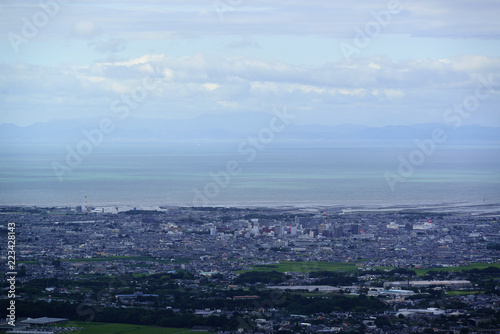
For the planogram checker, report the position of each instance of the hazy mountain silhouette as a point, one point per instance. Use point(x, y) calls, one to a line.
point(233, 126)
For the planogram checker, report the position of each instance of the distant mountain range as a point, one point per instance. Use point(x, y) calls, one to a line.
point(234, 126)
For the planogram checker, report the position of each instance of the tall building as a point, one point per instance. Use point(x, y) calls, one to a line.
point(355, 228)
point(339, 231)
point(300, 221)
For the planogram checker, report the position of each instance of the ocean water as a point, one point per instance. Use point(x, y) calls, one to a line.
point(189, 174)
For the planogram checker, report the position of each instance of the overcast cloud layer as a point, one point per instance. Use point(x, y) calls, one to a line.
point(331, 62)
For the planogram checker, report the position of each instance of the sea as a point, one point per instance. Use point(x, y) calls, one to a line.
point(199, 173)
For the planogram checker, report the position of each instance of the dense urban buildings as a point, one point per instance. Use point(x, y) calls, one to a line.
point(260, 270)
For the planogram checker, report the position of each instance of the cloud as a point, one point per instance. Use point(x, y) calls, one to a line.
point(255, 55)
point(244, 42)
point(112, 45)
point(412, 90)
point(335, 19)
point(84, 29)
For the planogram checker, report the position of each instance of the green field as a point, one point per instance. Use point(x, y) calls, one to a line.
point(462, 293)
point(111, 258)
point(305, 267)
point(105, 328)
point(471, 266)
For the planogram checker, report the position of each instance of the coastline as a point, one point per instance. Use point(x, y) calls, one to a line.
point(479, 208)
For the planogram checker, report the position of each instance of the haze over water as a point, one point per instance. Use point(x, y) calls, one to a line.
point(168, 174)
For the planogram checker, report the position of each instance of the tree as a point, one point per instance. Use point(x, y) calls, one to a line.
point(382, 322)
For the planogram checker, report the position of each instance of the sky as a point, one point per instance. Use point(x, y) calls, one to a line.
point(367, 62)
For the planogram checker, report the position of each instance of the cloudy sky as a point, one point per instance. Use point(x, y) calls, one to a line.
point(369, 62)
